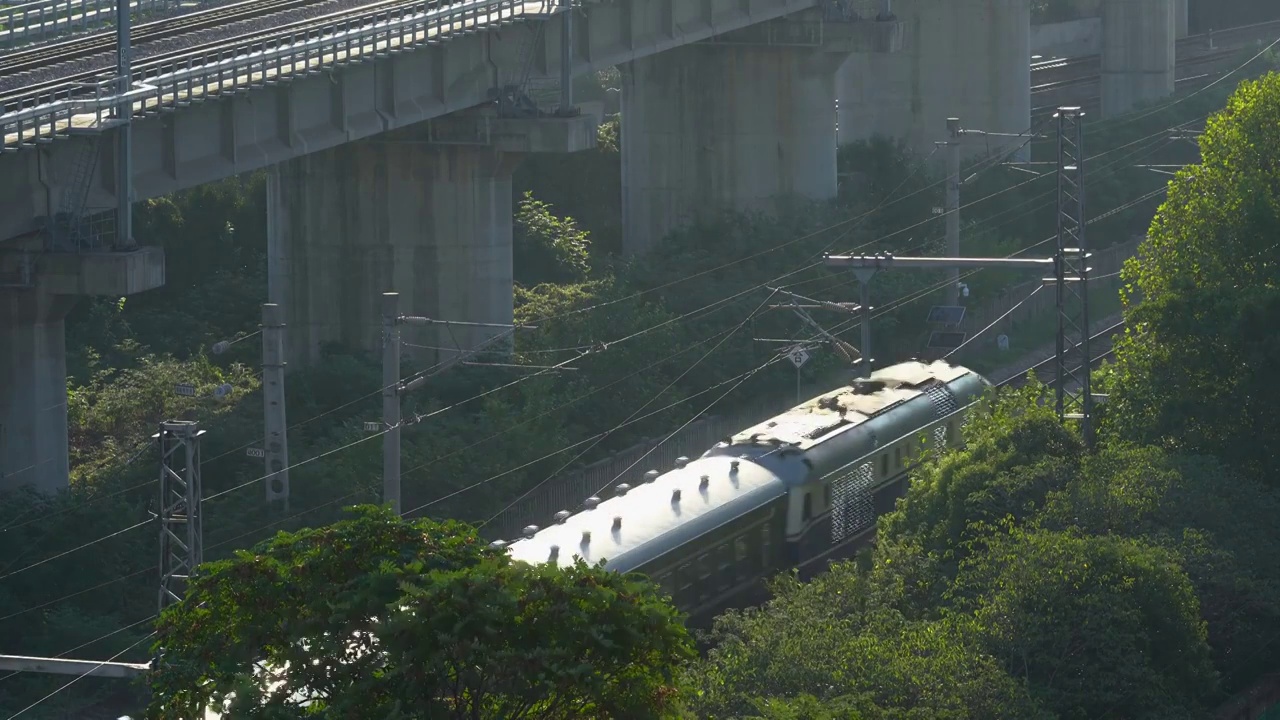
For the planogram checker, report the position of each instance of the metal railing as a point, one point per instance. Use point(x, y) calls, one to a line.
point(36, 21)
point(231, 69)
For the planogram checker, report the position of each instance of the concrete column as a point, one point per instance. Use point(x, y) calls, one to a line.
point(430, 222)
point(1138, 53)
point(37, 290)
point(707, 128)
point(969, 59)
point(33, 389)
point(742, 122)
point(1182, 18)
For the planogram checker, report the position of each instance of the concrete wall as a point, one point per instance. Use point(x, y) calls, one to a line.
point(1072, 38)
point(965, 58)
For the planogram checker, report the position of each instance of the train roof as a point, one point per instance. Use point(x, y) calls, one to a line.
point(809, 423)
point(627, 531)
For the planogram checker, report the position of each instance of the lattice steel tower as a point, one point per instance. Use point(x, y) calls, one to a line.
point(181, 528)
point(1074, 391)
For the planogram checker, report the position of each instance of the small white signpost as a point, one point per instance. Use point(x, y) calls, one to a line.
point(798, 357)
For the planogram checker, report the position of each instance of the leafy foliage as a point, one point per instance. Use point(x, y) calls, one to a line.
point(1092, 624)
point(1009, 465)
point(548, 248)
point(1219, 524)
point(828, 647)
point(1193, 370)
point(378, 617)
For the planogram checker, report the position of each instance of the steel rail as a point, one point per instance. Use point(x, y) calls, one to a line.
point(40, 56)
point(35, 21)
point(90, 85)
point(231, 69)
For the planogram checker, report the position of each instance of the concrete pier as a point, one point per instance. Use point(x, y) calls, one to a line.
point(965, 58)
point(426, 212)
point(739, 122)
point(37, 290)
point(1138, 53)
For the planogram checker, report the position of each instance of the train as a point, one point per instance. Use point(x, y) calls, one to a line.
point(800, 490)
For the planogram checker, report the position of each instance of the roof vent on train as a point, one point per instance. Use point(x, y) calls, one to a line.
point(555, 552)
point(863, 386)
point(617, 523)
point(591, 503)
point(530, 530)
point(623, 489)
point(681, 462)
point(675, 495)
point(586, 537)
point(562, 517)
point(733, 466)
point(651, 476)
point(704, 482)
point(498, 544)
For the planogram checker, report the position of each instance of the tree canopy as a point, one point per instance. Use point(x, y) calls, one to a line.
point(379, 617)
point(1194, 369)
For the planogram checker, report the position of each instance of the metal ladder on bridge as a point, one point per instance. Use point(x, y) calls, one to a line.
point(513, 98)
point(69, 221)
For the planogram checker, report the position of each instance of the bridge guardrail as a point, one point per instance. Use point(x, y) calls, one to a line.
point(230, 69)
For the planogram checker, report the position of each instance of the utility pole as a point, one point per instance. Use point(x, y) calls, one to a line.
point(566, 59)
point(953, 205)
point(393, 389)
point(956, 138)
point(1070, 276)
point(276, 437)
point(181, 525)
point(124, 132)
point(391, 400)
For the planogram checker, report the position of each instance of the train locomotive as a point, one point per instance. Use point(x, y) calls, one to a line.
point(800, 490)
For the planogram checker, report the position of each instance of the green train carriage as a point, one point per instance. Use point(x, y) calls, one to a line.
point(800, 490)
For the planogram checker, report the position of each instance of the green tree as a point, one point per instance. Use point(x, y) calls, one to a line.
point(829, 639)
point(1016, 451)
point(379, 617)
point(547, 248)
point(1220, 525)
point(1094, 625)
point(1192, 372)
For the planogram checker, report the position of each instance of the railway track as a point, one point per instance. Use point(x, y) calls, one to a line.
point(42, 55)
point(69, 85)
point(1104, 338)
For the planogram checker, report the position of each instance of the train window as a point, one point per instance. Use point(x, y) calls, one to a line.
point(685, 576)
point(704, 574)
point(897, 457)
point(725, 570)
point(766, 554)
point(740, 549)
point(884, 464)
point(664, 582)
point(806, 509)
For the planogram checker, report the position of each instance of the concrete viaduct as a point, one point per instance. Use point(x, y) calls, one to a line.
point(390, 164)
